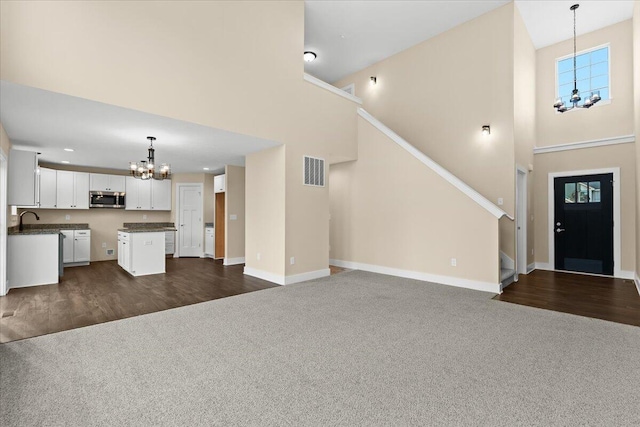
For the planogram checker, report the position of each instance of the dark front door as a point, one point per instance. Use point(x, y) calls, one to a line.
point(583, 226)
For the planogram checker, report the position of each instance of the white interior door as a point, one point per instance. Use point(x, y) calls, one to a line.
point(521, 221)
point(190, 220)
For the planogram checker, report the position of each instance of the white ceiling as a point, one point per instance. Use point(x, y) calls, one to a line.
point(107, 136)
point(349, 35)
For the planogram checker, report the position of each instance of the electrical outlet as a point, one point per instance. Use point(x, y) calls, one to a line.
point(67, 217)
point(104, 244)
point(144, 216)
point(531, 251)
point(500, 201)
point(258, 256)
point(454, 262)
point(233, 217)
point(292, 260)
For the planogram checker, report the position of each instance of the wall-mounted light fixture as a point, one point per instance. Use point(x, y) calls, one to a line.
point(486, 130)
point(309, 56)
point(373, 80)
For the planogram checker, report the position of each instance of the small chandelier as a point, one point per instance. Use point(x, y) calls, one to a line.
point(575, 94)
point(146, 169)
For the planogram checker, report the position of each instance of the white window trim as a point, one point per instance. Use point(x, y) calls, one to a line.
point(591, 49)
point(4, 165)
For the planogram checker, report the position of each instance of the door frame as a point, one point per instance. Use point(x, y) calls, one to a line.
point(617, 248)
point(180, 185)
point(521, 221)
point(4, 165)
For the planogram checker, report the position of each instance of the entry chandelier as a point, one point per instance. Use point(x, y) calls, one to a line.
point(146, 169)
point(575, 94)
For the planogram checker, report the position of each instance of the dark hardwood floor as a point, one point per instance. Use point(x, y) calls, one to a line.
point(102, 292)
point(616, 300)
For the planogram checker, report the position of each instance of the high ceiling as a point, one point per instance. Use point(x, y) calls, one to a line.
point(349, 35)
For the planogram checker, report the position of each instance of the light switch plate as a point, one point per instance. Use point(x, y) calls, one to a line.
point(233, 217)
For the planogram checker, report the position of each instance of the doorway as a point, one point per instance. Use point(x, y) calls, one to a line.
point(220, 237)
point(583, 223)
point(3, 224)
point(521, 220)
point(190, 227)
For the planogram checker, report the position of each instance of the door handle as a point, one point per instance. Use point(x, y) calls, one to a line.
point(559, 230)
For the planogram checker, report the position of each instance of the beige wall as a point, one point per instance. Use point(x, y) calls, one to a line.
point(524, 115)
point(264, 210)
point(389, 209)
point(124, 53)
point(103, 223)
point(636, 97)
point(234, 205)
point(439, 93)
point(601, 121)
point(622, 156)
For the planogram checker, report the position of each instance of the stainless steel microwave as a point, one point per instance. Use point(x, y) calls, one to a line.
point(106, 199)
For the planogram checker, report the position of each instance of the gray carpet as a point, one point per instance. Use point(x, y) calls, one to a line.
point(354, 349)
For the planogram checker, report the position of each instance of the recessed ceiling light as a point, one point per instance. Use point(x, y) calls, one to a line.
point(206, 169)
point(65, 161)
point(309, 56)
point(69, 149)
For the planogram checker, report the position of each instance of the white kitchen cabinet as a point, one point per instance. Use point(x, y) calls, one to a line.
point(142, 253)
point(76, 247)
point(82, 246)
point(208, 241)
point(67, 246)
point(219, 184)
point(124, 253)
point(72, 190)
point(161, 195)
point(138, 194)
point(105, 182)
point(48, 188)
point(22, 178)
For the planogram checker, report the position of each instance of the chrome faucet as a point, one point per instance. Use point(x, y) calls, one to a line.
point(21, 227)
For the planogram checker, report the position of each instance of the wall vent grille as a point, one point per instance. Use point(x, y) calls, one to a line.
point(313, 171)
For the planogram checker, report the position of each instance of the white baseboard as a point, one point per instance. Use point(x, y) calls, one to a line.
point(303, 277)
point(264, 275)
point(631, 275)
point(544, 266)
point(531, 267)
point(233, 261)
point(494, 288)
point(286, 280)
point(637, 281)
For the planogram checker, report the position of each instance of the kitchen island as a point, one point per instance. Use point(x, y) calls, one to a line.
point(141, 251)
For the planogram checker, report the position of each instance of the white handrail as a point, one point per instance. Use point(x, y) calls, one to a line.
point(448, 176)
point(324, 85)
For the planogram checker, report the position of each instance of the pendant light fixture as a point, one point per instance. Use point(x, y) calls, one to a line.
point(146, 169)
point(575, 94)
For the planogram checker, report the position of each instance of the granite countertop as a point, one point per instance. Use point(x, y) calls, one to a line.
point(208, 224)
point(30, 229)
point(147, 229)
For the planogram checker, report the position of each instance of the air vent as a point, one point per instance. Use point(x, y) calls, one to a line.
point(313, 171)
